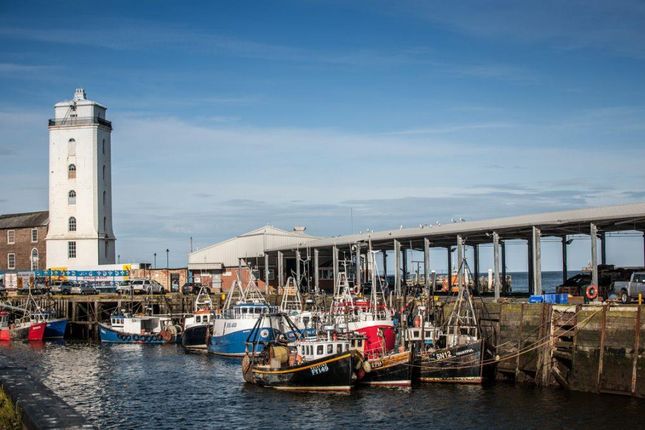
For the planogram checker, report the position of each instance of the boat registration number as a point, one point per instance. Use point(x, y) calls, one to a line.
point(317, 370)
point(443, 355)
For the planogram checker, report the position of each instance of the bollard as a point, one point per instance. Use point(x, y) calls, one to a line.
point(640, 298)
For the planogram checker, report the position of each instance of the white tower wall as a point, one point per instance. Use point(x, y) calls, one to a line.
point(79, 135)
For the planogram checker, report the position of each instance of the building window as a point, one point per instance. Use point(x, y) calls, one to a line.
point(71, 197)
point(71, 249)
point(11, 237)
point(71, 171)
point(11, 261)
point(104, 198)
point(71, 147)
point(104, 224)
point(34, 235)
point(106, 248)
point(71, 224)
point(103, 147)
point(34, 259)
point(104, 172)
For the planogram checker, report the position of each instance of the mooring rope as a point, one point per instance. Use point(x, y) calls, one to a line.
point(539, 343)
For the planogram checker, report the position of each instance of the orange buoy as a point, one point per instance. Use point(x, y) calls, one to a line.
point(591, 292)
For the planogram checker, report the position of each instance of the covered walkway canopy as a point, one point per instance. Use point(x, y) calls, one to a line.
point(591, 221)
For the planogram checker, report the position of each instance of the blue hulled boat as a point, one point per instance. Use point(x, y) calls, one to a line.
point(153, 330)
point(242, 310)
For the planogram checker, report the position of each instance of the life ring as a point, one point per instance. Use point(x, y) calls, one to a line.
point(592, 292)
point(264, 333)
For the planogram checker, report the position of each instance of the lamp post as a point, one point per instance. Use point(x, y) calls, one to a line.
point(154, 264)
point(167, 271)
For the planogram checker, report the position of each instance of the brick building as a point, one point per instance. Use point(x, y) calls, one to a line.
point(22, 241)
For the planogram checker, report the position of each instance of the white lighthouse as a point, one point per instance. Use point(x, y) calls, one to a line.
point(80, 186)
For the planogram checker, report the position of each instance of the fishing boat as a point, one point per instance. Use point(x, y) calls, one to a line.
point(197, 328)
point(139, 329)
point(370, 317)
point(242, 309)
point(55, 328)
point(388, 370)
point(455, 353)
point(22, 329)
point(291, 304)
point(318, 364)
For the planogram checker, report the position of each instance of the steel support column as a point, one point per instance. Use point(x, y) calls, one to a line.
point(476, 265)
point(266, 274)
point(603, 248)
point(565, 270)
point(316, 271)
point(593, 234)
point(503, 248)
point(529, 245)
point(385, 264)
point(404, 260)
point(460, 261)
point(426, 263)
point(397, 268)
point(449, 267)
point(280, 269)
point(537, 261)
point(496, 280)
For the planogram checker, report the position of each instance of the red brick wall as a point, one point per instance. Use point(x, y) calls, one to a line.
point(22, 248)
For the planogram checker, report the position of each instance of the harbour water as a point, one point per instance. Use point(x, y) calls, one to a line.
point(161, 387)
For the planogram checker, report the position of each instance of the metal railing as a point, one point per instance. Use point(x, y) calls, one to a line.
point(76, 121)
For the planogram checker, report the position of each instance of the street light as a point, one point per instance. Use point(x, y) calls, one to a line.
point(168, 271)
point(154, 264)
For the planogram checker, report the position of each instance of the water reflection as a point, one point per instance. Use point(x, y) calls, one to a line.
point(143, 386)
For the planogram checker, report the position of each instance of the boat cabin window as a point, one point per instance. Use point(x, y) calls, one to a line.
point(310, 350)
point(198, 319)
point(330, 348)
point(416, 333)
point(347, 347)
point(339, 348)
point(320, 350)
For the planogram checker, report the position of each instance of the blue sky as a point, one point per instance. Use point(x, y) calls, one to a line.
point(231, 115)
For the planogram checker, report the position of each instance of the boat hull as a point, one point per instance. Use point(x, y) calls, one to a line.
point(195, 338)
point(392, 370)
point(108, 335)
point(334, 373)
point(230, 335)
point(31, 332)
point(378, 334)
point(55, 329)
point(461, 364)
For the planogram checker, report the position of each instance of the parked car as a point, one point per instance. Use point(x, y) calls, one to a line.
point(83, 289)
point(192, 288)
point(105, 287)
point(123, 287)
point(62, 287)
point(628, 290)
point(146, 286)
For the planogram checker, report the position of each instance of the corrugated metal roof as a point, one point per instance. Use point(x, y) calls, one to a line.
point(24, 220)
point(248, 245)
point(609, 218)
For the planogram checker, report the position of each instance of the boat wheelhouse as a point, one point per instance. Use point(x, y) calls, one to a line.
point(148, 329)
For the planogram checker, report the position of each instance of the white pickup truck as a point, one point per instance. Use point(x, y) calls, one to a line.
point(627, 290)
point(140, 286)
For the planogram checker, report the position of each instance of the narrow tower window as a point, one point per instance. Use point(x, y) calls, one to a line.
point(71, 197)
point(71, 249)
point(104, 224)
point(71, 147)
point(103, 147)
point(34, 259)
point(11, 261)
point(104, 172)
point(72, 224)
point(71, 171)
point(104, 198)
